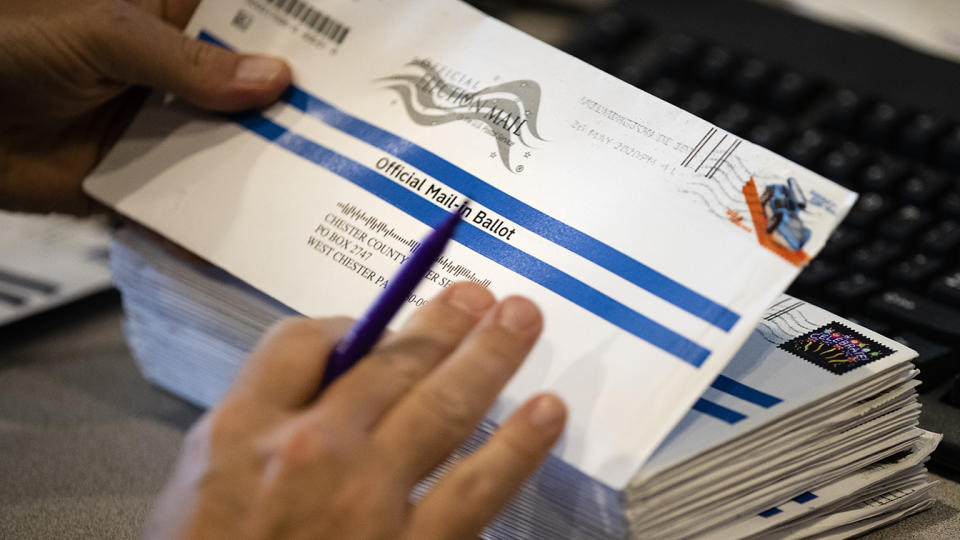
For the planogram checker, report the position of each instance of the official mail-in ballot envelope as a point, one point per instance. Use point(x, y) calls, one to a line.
point(652, 240)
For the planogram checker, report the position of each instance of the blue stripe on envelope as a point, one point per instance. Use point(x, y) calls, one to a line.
point(802, 498)
point(485, 244)
point(511, 208)
point(744, 392)
point(718, 411)
point(771, 512)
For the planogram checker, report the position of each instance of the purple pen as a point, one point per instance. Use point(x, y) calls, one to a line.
point(365, 333)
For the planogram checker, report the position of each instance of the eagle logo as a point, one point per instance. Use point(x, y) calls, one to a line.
point(506, 111)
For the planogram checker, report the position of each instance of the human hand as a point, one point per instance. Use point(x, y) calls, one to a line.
point(274, 460)
point(66, 73)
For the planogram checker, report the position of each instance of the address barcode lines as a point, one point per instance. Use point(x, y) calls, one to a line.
point(324, 25)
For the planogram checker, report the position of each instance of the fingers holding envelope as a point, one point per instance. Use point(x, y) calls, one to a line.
point(443, 409)
point(275, 456)
point(472, 494)
point(404, 358)
point(420, 393)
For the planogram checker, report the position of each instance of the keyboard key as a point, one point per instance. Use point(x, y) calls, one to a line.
point(950, 203)
point(875, 256)
point(770, 133)
point(635, 68)
point(806, 148)
point(841, 163)
point(633, 73)
point(842, 242)
point(749, 80)
point(678, 53)
point(605, 32)
point(869, 208)
point(947, 289)
point(905, 223)
point(701, 103)
point(667, 89)
point(842, 110)
point(611, 26)
point(790, 92)
point(948, 151)
point(923, 186)
point(936, 361)
point(878, 124)
point(816, 275)
point(942, 239)
point(715, 66)
point(918, 135)
point(915, 271)
point(877, 325)
point(853, 290)
point(913, 311)
point(735, 118)
point(883, 174)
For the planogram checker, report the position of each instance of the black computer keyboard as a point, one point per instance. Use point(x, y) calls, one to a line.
point(877, 117)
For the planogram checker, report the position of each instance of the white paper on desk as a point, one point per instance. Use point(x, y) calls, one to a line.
point(626, 219)
point(29, 283)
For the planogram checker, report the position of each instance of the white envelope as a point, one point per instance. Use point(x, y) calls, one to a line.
point(652, 240)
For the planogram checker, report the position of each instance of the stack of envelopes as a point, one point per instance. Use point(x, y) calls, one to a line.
point(811, 430)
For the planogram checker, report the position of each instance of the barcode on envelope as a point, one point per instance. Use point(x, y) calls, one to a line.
point(324, 25)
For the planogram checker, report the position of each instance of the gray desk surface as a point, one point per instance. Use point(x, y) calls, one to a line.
point(86, 444)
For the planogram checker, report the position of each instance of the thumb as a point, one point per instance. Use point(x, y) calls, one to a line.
point(139, 48)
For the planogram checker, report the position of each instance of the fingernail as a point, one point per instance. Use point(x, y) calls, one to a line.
point(470, 299)
point(518, 315)
point(258, 69)
point(547, 413)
